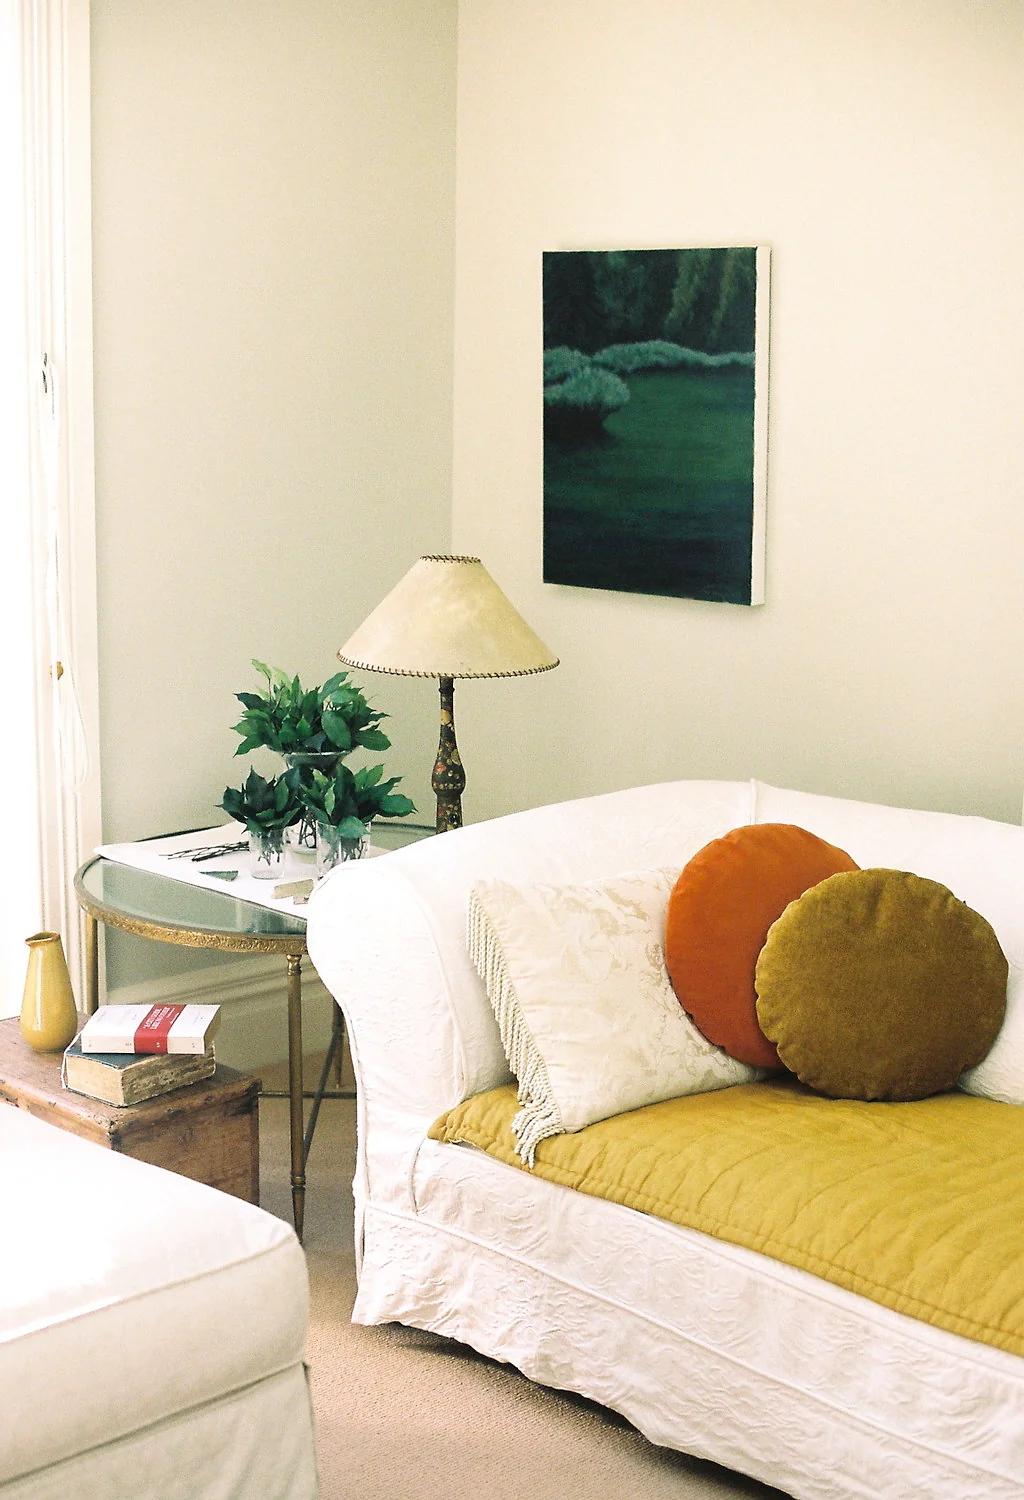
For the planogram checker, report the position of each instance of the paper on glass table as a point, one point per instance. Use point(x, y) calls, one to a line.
point(152, 854)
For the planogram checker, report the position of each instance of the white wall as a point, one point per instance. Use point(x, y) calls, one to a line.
point(877, 148)
point(273, 218)
point(273, 205)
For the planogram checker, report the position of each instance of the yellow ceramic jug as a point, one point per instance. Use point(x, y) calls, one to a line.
point(49, 1019)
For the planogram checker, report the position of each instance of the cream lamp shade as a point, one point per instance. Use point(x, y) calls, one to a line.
point(447, 618)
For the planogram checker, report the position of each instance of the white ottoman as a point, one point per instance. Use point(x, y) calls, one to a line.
point(151, 1332)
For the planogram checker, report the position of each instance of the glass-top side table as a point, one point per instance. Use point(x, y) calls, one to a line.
point(171, 911)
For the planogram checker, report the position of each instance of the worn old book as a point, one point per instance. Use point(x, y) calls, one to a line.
point(171, 1029)
point(123, 1078)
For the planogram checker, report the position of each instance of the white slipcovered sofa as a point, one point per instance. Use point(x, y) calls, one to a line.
point(705, 1346)
point(151, 1332)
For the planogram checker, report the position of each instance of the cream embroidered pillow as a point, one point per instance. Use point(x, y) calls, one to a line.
point(588, 1018)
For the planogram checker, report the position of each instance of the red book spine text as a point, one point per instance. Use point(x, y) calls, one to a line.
point(153, 1030)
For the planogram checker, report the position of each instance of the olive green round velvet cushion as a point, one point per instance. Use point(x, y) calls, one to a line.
point(878, 984)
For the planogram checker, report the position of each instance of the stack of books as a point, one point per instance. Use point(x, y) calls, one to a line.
point(127, 1053)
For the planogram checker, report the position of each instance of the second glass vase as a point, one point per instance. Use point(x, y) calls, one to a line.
point(332, 849)
point(267, 853)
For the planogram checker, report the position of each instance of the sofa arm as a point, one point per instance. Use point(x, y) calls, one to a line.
point(372, 939)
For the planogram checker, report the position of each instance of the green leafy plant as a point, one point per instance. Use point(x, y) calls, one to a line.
point(264, 804)
point(288, 718)
point(348, 801)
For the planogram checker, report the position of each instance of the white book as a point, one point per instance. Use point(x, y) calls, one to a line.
point(150, 1028)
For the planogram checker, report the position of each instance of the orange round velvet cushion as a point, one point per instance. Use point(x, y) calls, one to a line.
point(719, 914)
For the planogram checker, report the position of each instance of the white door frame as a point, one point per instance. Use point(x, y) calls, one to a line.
point(58, 174)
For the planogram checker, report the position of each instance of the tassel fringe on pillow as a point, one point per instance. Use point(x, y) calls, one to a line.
point(538, 1116)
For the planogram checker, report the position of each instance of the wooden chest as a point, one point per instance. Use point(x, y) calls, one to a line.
point(208, 1131)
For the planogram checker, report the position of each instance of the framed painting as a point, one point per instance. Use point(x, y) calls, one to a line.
point(656, 421)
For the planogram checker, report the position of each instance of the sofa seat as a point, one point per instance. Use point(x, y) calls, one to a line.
point(909, 1205)
point(133, 1300)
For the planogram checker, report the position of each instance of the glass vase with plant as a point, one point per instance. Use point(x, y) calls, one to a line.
point(308, 726)
point(267, 807)
point(342, 807)
point(313, 728)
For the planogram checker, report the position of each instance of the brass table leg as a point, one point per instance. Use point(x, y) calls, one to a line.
point(295, 1088)
point(92, 965)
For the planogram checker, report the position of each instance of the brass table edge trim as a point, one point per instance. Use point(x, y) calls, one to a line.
point(287, 944)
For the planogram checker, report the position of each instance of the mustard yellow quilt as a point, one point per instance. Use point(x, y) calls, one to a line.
point(917, 1206)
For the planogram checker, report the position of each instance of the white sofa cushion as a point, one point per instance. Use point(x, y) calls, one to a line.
point(129, 1295)
point(980, 860)
point(587, 1014)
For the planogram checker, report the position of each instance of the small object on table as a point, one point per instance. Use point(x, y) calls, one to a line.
point(208, 1131)
point(299, 890)
point(222, 874)
point(211, 851)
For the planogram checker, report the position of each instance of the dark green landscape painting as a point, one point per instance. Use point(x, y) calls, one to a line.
point(655, 421)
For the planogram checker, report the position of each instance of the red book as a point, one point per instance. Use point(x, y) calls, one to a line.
point(151, 1028)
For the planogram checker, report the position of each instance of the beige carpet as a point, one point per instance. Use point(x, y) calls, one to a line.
point(405, 1415)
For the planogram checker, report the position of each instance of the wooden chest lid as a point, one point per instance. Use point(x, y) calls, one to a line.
point(31, 1080)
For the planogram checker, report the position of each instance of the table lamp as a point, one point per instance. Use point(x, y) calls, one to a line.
point(447, 618)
